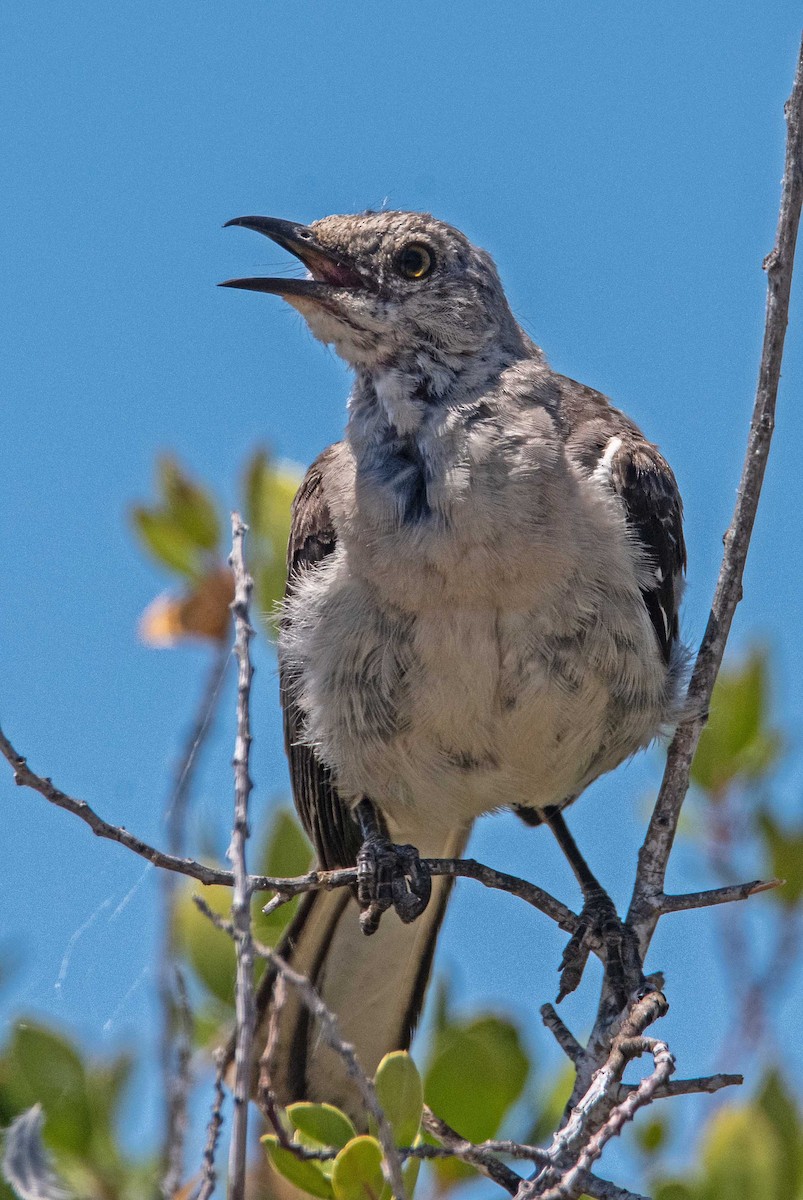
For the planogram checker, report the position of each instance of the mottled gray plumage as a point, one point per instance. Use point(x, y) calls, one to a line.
point(481, 609)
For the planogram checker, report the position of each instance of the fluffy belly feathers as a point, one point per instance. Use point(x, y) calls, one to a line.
point(459, 710)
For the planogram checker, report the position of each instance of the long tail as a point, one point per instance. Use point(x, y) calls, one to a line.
point(375, 985)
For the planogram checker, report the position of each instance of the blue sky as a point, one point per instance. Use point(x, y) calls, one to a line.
point(621, 162)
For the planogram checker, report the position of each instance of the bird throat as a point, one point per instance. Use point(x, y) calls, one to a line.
point(408, 428)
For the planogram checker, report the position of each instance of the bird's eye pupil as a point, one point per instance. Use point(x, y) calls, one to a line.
point(415, 262)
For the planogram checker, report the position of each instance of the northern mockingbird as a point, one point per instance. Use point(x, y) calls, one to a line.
point(481, 611)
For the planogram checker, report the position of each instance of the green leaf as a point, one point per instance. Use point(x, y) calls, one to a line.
point(306, 1175)
point(321, 1123)
point(785, 853)
point(209, 950)
point(106, 1083)
point(188, 505)
point(269, 493)
point(741, 1156)
point(286, 852)
point(777, 1104)
point(401, 1095)
point(737, 744)
point(652, 1136)
point(674, 1189)
point(43, 1068)
point(357, 1173)
point(168, 544)
point(477, 1071)
point(553, 1100)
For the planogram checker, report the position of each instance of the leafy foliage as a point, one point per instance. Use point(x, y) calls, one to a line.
point(209, 951)
point(81, 1103)
point(183, 532)
point(750, 1151)
point(785, 855)
point(737, 744)
point(354, 1172)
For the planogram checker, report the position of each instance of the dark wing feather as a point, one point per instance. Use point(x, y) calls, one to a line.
point(327, 820)
point(644, 481)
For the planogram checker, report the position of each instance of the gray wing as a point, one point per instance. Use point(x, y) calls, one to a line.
point(325, 817)
point(643, 479)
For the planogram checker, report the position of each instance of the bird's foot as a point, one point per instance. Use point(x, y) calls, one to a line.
point(390, 875)
point(600, 925)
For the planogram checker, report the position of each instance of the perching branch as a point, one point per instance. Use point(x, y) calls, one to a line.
point(287, 888)
point(241, 895)
point(648, 901)
point(598, 1115)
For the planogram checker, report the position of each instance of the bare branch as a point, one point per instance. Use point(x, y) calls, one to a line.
point(484, 1162)
point(176, 1017)
point(330, 1032)
point(285, 888)
point(178, 1046)
point(468, 868)
point(209, 1174)
point(722, 895)
point(687, 1087)
point(241, 895)
point(562, 1034)
point(25, 777)
point(603, 1189)
point(266, 1096)
point(572, 1183)
point(573, 1148)
point(645, 907)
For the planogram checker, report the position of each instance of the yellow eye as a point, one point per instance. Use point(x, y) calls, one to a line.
point(415, 261)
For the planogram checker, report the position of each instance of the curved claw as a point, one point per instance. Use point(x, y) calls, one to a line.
point(600, 923)
point(390, 875)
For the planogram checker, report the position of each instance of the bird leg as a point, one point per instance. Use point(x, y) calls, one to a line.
point(599, 922)
point(387, 874)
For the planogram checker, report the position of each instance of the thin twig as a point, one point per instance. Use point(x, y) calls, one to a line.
point(179, 1083)
point(241, 894)
point(487, 1164)
point(176, 812)
point(330, 1032)
point(286, 888)
point(209, 1173)
point(266, 1095)
point(567, 1157)
point(686, 1087)
point(176, 1018)
point(722, 895)
point(645, 905)
point(562, 1034)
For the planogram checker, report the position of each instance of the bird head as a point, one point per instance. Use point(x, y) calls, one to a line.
point(384, 285)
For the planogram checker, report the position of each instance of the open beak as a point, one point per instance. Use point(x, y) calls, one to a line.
point(329, 270)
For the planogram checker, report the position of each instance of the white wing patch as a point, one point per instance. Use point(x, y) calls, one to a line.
point(602, 471)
